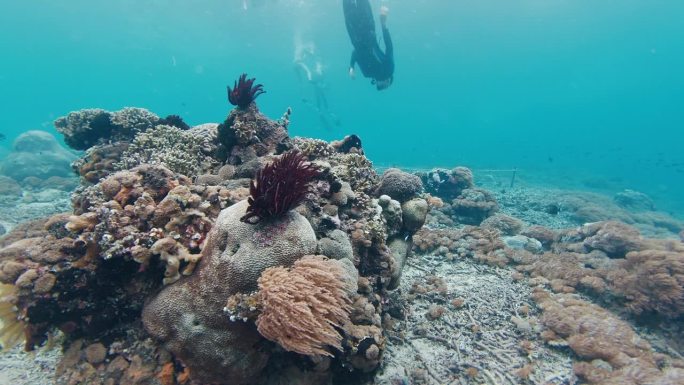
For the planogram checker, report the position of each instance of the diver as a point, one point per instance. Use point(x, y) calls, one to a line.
point(309, 69)
point(374, 63)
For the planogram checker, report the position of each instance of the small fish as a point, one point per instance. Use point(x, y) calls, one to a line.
point(2, 137)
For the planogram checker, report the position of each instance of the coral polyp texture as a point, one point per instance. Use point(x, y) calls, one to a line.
point(244, 91)
point(279, 187)
point(301, 307)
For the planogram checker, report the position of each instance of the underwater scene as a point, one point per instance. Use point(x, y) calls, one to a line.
point(341, 192)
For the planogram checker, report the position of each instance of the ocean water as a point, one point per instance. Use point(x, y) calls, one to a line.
point(573, 93)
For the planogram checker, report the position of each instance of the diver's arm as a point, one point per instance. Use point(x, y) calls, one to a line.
point(389, 48)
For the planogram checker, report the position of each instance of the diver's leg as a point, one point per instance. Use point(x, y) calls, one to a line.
point(358, 17)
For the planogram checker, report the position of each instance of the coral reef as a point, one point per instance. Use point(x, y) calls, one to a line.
point(99, 161)
point(155, 228)
point(244, 92)
point(447, 184)
point(473, 206)
point(611, 352)
point(348, 144)
point(399, 185)
point(9, 187)
point(73, 271)
point(178, 150)
point(86, 128)
point(37, 154)
point(174, 121)
point(247, 134)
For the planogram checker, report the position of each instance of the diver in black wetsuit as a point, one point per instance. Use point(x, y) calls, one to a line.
point(374, 63)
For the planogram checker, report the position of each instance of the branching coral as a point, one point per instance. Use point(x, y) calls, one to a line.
point(279, 187)
point(303, 305)
point(170, 146)
point(244, 91)
point(86, 128)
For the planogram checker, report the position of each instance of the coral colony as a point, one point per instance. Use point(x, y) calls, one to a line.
point(234, 254)
point(279, 187)
point(244, 92)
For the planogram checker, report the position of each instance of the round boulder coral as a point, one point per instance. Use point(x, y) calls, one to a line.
point(37, 154)
point(399, 185)
point(187, 316)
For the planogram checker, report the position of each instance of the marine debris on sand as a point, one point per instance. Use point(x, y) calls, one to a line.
point(233, 253)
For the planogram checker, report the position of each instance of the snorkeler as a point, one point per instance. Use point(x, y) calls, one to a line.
point(374, 63)
point(309, 69)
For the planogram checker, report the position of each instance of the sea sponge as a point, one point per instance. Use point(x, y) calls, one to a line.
point(302, 306)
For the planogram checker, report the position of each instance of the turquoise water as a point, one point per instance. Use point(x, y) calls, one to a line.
point(574, 93)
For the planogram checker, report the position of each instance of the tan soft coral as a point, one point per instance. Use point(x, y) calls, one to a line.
point(596, 335)
point(302, 306)
point(651, 280)
point(11, 329)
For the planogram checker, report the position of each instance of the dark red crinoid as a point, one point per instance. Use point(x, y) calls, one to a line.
point(279, 187)
point(244, 91)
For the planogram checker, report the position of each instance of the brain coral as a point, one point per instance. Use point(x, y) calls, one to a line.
point(399, 185)
point(187, 317)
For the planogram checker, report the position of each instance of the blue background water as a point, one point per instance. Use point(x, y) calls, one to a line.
point(572, 92)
